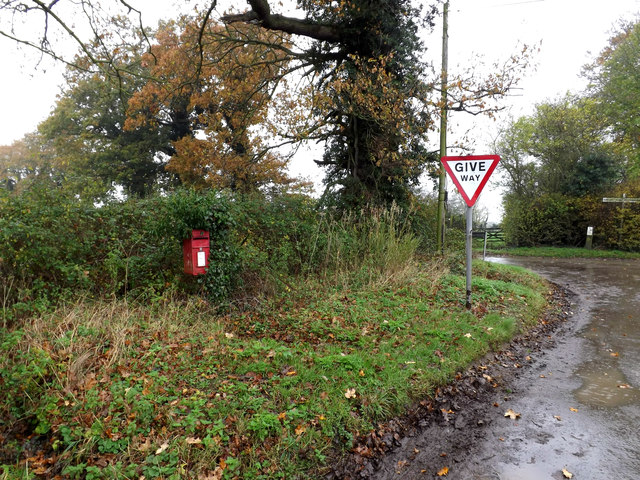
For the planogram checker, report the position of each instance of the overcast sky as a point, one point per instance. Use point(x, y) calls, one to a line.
point(569, 32)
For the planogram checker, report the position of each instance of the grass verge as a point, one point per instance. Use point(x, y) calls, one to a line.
point(563, 252)
point(172, 390)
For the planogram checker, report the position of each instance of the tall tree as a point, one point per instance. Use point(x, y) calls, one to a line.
point(358, 63)
point(615, 85)
point(370, 97)
point(24, 160)
point(563, 134)
point(562, 148)
point(220, 100)
point(373, 103)
point(516, 162)
point(86, 127)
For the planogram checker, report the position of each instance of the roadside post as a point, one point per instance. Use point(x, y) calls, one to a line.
point(484, 247)
point(589, 243)
point(470, 174)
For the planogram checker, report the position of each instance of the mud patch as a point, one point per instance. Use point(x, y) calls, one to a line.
point(445, 430)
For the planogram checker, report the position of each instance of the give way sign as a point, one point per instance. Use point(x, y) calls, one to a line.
point(470, 174)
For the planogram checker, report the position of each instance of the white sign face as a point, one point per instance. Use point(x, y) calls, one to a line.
point(201, 261)
point(470, 174)
point(589, 231)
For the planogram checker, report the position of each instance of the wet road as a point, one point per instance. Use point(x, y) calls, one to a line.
point(579, 401)
point(580, 404)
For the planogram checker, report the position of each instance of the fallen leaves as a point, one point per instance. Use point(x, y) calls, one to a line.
point(511, 414)
point(567, 473)
point(215, 475)
point(444, 471)
point(350, 393)
point(573, 409)
point(162, 448)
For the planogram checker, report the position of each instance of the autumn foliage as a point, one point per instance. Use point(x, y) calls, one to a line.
point(219, 98)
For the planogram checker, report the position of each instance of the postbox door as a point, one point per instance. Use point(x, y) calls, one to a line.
point(195, 252)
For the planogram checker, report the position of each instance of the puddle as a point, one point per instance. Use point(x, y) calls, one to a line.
point(611, 288)
point(604, 386)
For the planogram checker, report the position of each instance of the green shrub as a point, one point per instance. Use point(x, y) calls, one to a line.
point(54, 246)
point(284, 236)
point(558, 220)
point(545, 220)
point(186, 210)
point(274, 238)
point(617, 225)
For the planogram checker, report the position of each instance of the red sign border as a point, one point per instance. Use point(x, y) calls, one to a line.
point(470, 201)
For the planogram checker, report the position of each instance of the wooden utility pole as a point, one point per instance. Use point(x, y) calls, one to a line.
point(442, 180)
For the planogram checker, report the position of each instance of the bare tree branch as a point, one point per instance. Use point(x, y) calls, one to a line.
point(261, 13)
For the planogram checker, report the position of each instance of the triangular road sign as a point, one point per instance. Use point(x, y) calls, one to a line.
point(470, 174)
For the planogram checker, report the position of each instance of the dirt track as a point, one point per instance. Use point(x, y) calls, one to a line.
point(573, 381)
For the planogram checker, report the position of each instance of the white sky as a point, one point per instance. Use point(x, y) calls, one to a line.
point(570, 33)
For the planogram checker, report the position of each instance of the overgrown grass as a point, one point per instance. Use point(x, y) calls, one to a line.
point(171, 389)
point(375, 244)
point(564, 252)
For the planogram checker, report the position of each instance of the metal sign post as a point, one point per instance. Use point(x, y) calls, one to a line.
point(469, 253)
point(470, 174)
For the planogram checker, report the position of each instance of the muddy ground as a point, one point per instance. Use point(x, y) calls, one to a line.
point(445, 431)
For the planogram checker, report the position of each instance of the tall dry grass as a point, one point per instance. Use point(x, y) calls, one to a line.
point(374, 245)
point(89, 335)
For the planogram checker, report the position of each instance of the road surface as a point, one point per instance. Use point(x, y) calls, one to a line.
point(578, 402)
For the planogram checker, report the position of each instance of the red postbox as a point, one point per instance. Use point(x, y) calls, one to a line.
point(195, 251)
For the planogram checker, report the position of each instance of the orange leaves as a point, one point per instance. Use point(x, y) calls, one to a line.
point(216, 93)
point(40, 464)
